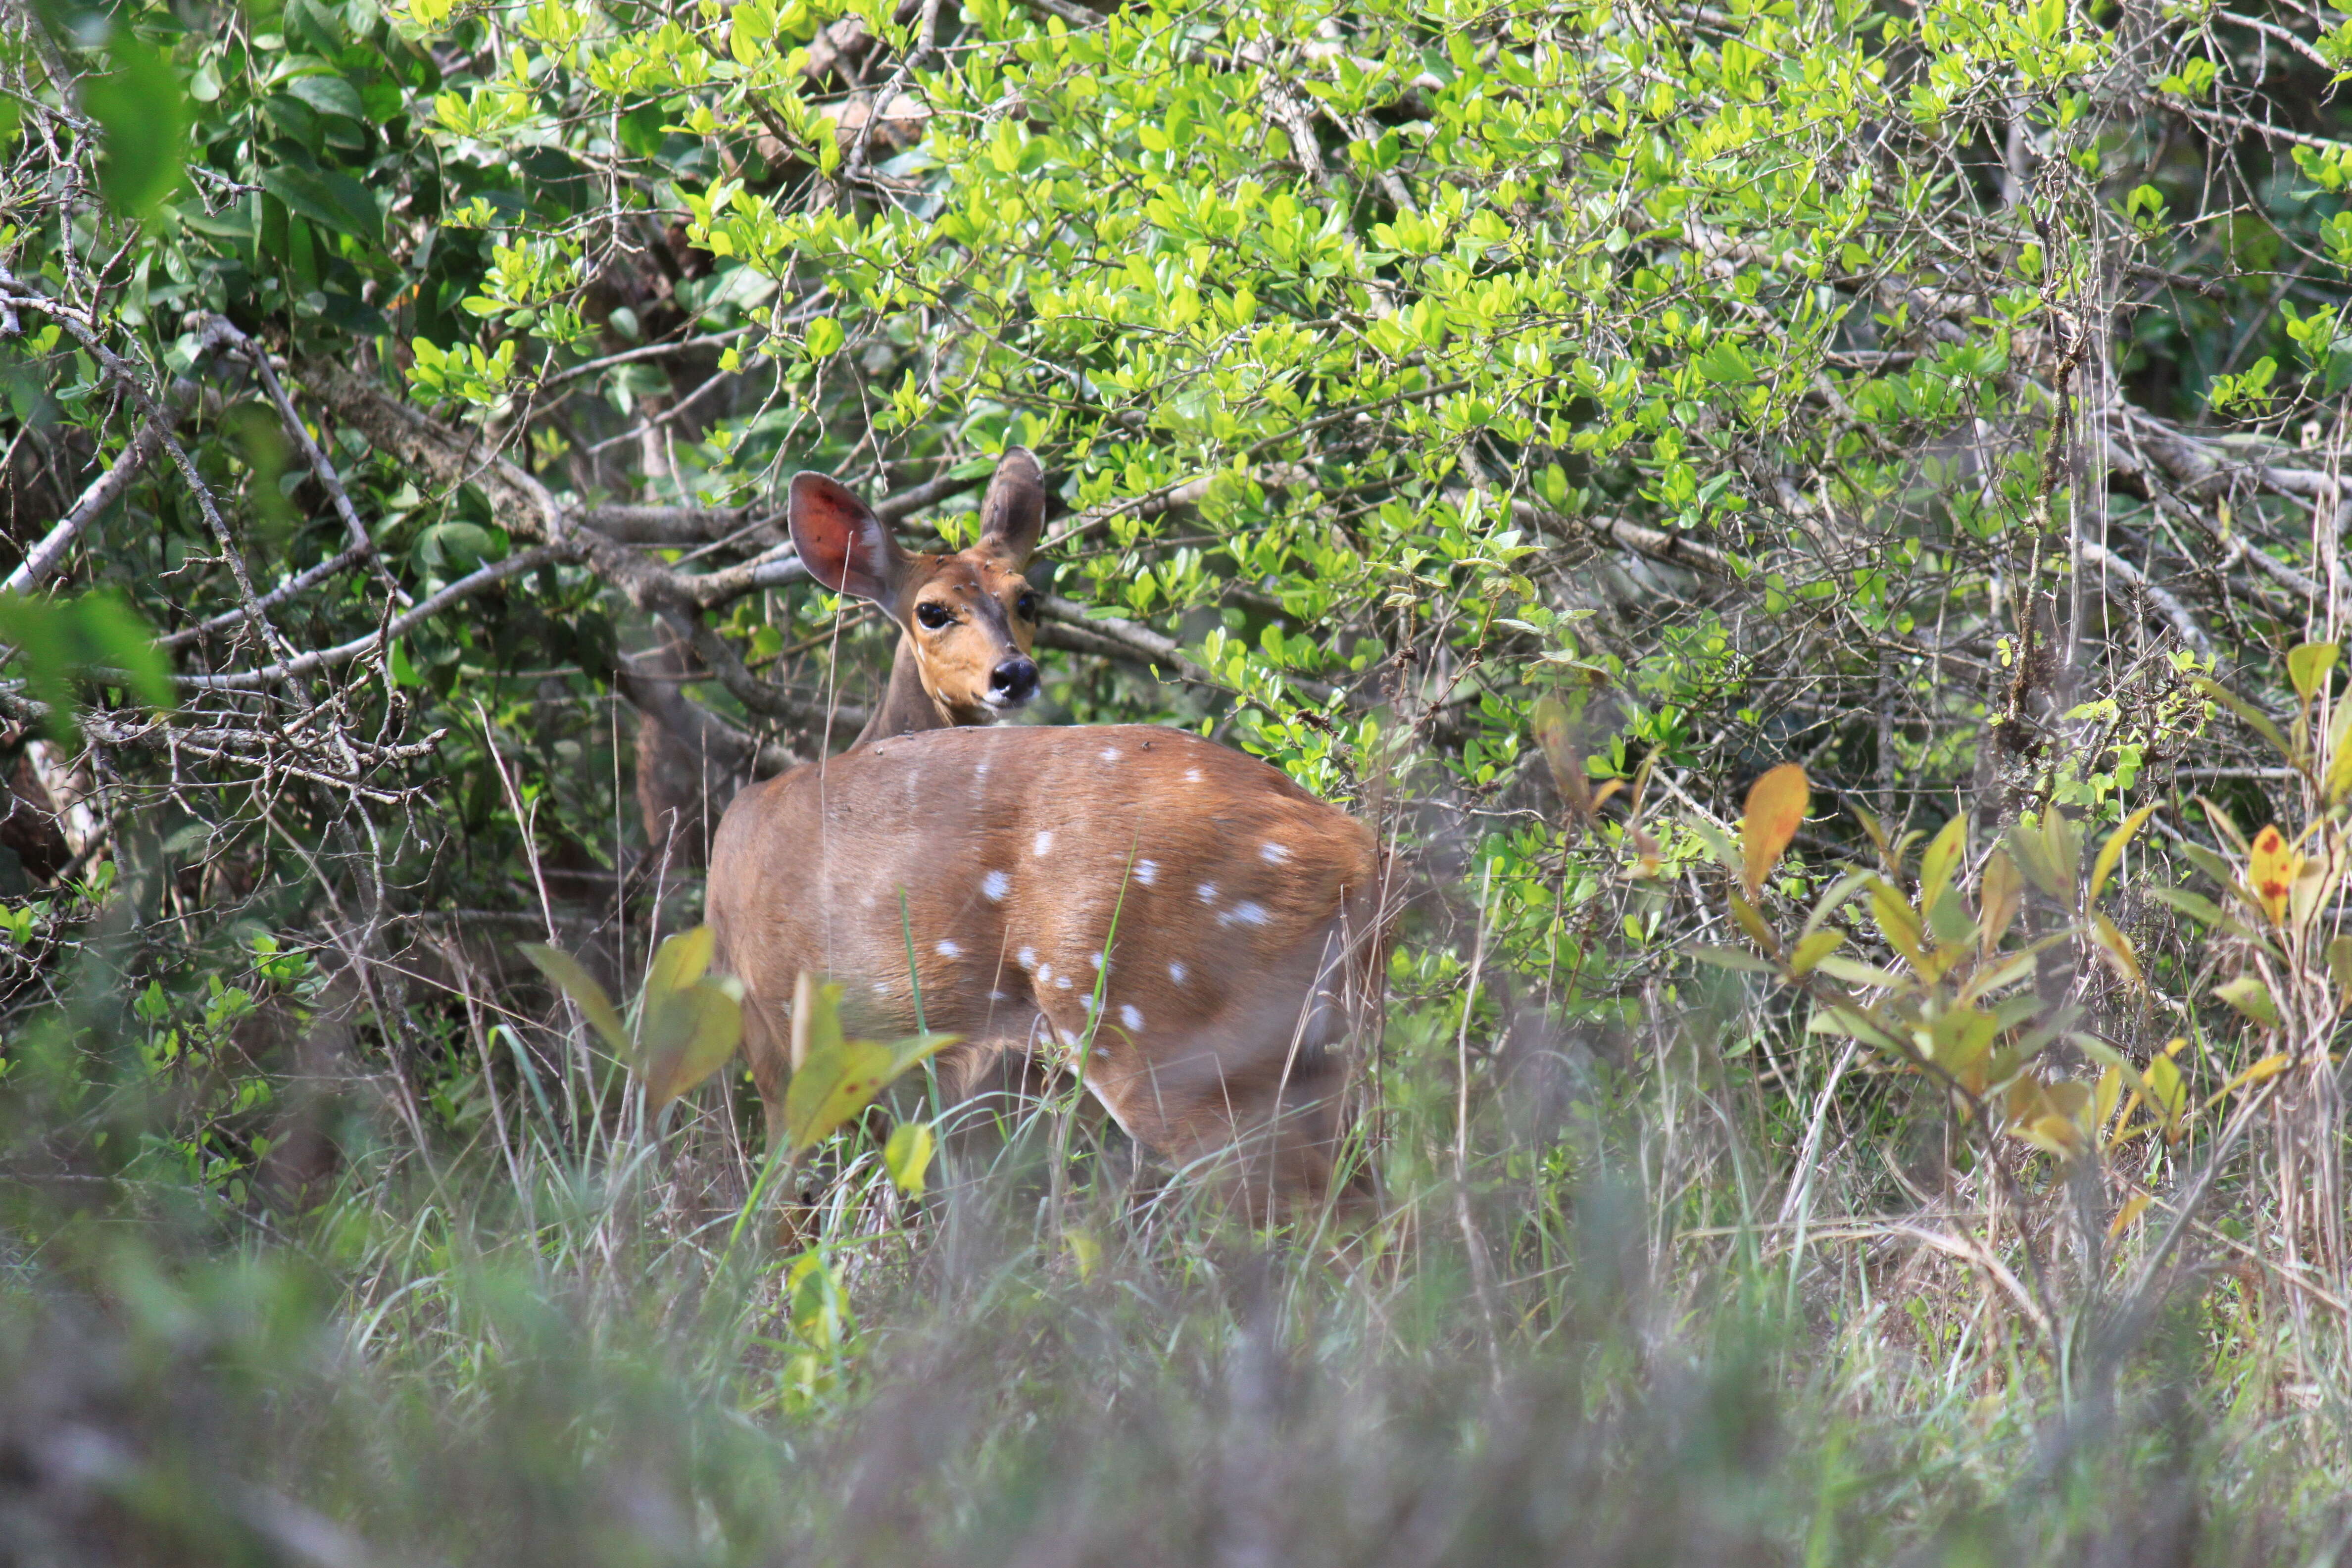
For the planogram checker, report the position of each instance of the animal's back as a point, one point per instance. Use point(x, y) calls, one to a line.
point(1211, 910)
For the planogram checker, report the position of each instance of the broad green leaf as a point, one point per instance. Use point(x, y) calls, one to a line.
point(2340, 962)
point(1898, 923)
point(2029, 850)
point(577, 983)
point(96, 638)
point(144, 125)
point(687, 1034)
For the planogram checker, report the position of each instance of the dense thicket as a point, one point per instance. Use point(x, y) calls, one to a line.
point(1526, 424)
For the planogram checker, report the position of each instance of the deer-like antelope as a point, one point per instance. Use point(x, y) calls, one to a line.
point(1183, 924)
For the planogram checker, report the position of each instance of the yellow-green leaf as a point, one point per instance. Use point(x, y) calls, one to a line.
point(2255, 718)
point(681, 960)
point(2308, 664)
point(2111, 853)
point(2118, 948)
point(917, 1048)
point(2029, 849)
point(816, 1018)
point(1942, 859)
point(2134, 1206)
point(1853, 971)
point(2001, 893)
point(834, 1084)
point(1777, 803)
point(1814, 947)
point(2339, 961)
point(907, 1155)
point(2338, 780)
point(1753, 924)
point(1898, 923)
point(2168, 1095)
point(2252, 997)
point(2269, 1067)
point(688, 1025)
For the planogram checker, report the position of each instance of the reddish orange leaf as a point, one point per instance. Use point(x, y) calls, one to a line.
point(1777, 803)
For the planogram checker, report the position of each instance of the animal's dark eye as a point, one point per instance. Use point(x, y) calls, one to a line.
point(1027, 607)
point(934, 616)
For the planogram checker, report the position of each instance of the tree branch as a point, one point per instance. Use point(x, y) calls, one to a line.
point(43, 559)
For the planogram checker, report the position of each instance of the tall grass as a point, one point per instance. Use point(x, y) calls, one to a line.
point(1599, 1325)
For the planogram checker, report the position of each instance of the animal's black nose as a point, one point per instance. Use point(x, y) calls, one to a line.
point(1014, 681)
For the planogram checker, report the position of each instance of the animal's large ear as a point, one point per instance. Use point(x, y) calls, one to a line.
point(843, 543)
point(1013, 514)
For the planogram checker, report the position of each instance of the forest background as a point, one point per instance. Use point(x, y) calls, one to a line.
point(1526, 424)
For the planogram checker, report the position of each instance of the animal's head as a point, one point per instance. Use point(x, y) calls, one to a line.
point(969, 618)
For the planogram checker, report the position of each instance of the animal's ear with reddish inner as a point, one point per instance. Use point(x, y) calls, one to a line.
point(843, 543)
point(1013, 514)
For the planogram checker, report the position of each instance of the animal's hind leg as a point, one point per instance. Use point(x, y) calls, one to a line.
point(764, 1049)
point(989, 1090)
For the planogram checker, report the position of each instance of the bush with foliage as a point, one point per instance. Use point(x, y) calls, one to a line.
point(1814, 529)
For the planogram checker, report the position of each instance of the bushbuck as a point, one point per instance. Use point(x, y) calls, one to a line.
point(1182, 924)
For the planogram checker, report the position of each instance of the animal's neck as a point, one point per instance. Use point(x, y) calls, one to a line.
point(906, 708)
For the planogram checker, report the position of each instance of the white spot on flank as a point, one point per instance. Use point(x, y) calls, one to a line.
point(1028, 956)
point(1046, 842)
point(996, 884)
point(1273, 854)
point(1094, 958)
point(1208, 892)
point(1130, 1017)
point(880, 989)
point(1045, 972)
point(1087, 1003)
point(1244, 914)
point(1191, 775)
point(1110, 753)
point(1176, 972)
point(998, 996)
point(1146, 872)
point(947, 949)
point(980, 770)
point(1064, 981)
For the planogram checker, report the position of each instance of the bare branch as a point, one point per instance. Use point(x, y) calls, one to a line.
point(464, 588)
point(43, 559)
